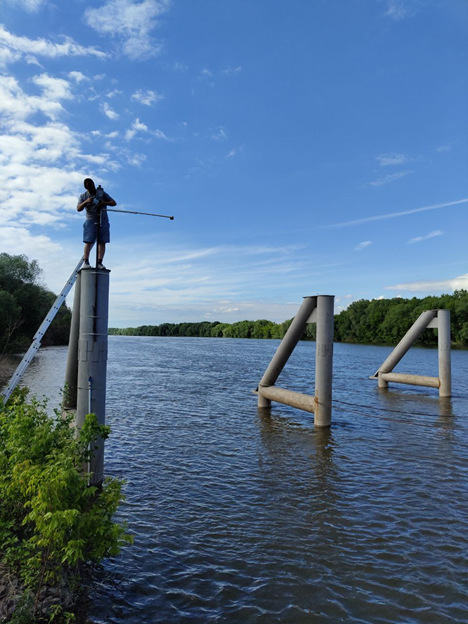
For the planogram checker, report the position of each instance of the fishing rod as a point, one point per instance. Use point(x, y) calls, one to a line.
point(148, 214)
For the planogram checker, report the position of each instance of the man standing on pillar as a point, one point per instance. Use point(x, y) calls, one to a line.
point(93, 200)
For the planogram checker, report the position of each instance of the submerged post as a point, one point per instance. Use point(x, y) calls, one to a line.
point(444, 340)
point(324, 360)
point(92, 357)
point(71, 373)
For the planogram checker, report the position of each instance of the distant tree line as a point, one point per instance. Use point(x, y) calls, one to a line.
point(378, 321)
point(24, 303)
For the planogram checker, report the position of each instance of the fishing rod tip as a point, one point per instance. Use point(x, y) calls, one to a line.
point(171, 218)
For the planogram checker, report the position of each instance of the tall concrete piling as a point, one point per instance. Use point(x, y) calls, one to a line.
point(92, 358)
point(445, 363)
point(71, 373)
point(324, 360)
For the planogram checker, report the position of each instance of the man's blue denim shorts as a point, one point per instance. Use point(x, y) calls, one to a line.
point(90, 232)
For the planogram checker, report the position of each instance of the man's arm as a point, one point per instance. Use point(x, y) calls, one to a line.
point(81, 206)
point(107, 201)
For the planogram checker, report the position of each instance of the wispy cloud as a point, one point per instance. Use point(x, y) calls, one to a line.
point(389, 178)
point(31, 6)
point(394, 215)
point(219, 134)
point(443, 148)
point(139, 127)
point(107, 110)
point(225, 282)
point(148, 98)
point(14, 48)
point(419, 239)
point(78, 77)
point(132, 22)
point(362, 245)
point(232, 70)
point(398, 10)
point(456, 283)
point(392, 159)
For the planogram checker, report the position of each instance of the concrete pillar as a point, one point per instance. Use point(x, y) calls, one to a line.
point(286, 347)
point(92, 357)
point(381, 382)
point(445, 368)
point(71, 373)
point(324, 360)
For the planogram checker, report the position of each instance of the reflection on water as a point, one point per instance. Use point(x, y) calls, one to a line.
point(241, 516)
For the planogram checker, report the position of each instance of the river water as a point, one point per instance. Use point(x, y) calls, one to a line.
point(243, 517)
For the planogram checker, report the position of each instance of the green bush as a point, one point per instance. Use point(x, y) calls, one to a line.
point(52, 523)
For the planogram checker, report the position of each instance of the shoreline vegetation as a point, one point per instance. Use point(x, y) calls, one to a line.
point(375, 321)
point(55, 529)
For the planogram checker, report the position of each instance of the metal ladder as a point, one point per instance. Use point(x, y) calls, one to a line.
point(36, 343)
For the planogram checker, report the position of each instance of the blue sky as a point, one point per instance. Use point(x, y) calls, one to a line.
point(303, 147)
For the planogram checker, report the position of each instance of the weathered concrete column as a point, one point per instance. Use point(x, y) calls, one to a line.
point(445, 366)
point(92, 357)
point(286, 347)
point(381, 382)
point(324, 360)
point(71, 373)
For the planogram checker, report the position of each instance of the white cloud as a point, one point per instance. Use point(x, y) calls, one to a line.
point(30, 5)
point(148, 98)
point(113, 93)
point(393, 215)
point(77, 76)
point(107, 110)
point(392, 159)
point(206, 72)
point(53, 88)
point(456, 283)
point(230, 70)
point(443, 148)
point(15, 47)
point(398, 10)
point(231, 154)
point(132, 22)
point(137, 126)
point(219, 134)
point(419, 239)
point(362, 245)
point(390, 177)
point(229, 281)
point(41, 164)
point(15, 103)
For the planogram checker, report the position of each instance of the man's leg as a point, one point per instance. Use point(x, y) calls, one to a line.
point(87, 251)
point(102, 251)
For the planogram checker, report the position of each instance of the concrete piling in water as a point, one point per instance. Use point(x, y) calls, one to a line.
point(71, 373)
point(444, 343)
point(92, 358)
point(324, 360)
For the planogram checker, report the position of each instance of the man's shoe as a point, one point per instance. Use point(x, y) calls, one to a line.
point(100, 266)
point(86, 264)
